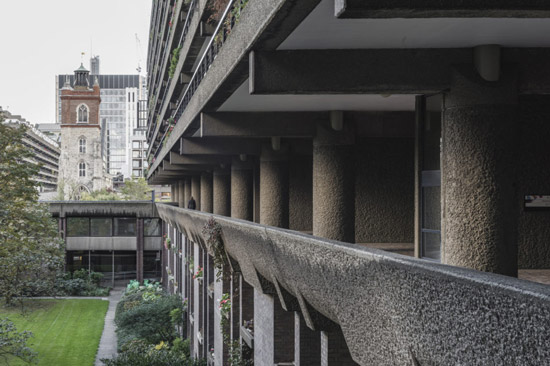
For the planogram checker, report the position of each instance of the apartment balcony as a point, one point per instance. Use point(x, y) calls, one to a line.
point(390, 308)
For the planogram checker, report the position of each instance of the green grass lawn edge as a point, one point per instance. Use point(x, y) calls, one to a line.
point(66, 331)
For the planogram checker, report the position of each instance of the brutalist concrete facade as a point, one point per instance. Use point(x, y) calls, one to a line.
point(418, 128)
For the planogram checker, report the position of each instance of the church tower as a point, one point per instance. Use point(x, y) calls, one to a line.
point(81, 164)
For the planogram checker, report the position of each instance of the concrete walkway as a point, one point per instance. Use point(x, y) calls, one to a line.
point(107, 345)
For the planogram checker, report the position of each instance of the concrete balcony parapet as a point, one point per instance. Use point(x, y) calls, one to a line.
point(392, 309)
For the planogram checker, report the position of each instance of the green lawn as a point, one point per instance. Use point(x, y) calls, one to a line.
point(66, 332)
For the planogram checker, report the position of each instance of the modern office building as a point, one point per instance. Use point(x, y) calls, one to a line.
point(324, 141)
point(120, 96)
point(45, 150)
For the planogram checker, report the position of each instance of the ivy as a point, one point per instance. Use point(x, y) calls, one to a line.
point(174, 62)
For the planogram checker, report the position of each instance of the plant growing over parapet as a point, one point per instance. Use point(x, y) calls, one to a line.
point(212, 232)
point(174, 62)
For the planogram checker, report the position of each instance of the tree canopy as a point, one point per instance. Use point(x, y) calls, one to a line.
point(31, 253)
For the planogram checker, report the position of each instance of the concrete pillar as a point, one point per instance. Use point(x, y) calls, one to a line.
point(273, 331)
point(206, 204)
point(174, 192)
point(334, 184)
point(187, 191)
point(196, 190)
point(139, 249)
point(274, 192)
point(480, 135)
point(181, 193)
point(222, 192)
point(301, 188)
point(334, 349)
point(307, 350)
point(242, 190)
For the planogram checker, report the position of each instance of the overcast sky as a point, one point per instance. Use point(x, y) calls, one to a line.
point(42, 38)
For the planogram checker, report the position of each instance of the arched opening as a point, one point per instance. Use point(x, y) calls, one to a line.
point(82, 114)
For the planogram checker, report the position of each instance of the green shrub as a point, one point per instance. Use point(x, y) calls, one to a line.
point(181, 346)
point(138, 356)
point(147, 320)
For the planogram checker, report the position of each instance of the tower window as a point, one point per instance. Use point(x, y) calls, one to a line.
point(82, 114)
point(82, 169)
point(82, 145)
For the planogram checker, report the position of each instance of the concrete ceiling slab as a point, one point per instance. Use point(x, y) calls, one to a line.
point(322, 30)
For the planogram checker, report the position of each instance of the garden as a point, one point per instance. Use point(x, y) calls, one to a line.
point(62, 332)
point(147, 320)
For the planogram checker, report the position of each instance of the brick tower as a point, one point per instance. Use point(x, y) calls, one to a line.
point(81, 164)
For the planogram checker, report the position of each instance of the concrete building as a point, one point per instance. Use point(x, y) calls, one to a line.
point(317, 132)
point(122, 240)
point(120, 96)
point(52, 130)
point(82, 165)
point(45, 152)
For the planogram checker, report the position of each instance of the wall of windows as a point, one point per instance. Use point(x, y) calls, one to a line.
point(111, 226)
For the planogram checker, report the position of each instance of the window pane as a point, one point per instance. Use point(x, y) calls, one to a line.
point(78, 226)
point(101, 227)
point(125, 226)
point(152, 227)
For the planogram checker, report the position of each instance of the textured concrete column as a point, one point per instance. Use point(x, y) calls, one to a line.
point(174, 192)
point(139, 249)
point(242, 179)
point(273, 331)
point(187, 191)
point(334, 184)
point(206, 193)
point(274, 192)
point(196, 190)
point(307, 349)
point(181, 193)
point(222, 192)
point(480, 135)
point(334, 349)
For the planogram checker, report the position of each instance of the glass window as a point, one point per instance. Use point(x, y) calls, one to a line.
point(101, 227)
point(82, 145)
point(82, 114)
point(136, 173)
point(82, 169)
point(78, 226)
point(125, 226)
point(136, 163)
point(136, 144)
point(151, 227)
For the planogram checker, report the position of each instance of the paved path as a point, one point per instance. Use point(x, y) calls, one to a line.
point(107, 345)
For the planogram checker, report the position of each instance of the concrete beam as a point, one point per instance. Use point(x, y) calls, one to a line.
point(167, 167)
point(177, 159)
point(213, 146)
point(284, 124)
point(382, 71)
point(366, 71)
point(442, 9)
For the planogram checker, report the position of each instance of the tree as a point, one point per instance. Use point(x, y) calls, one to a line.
point(31, 253)
point(14, 343)
point(136, 190)
point(105, 194)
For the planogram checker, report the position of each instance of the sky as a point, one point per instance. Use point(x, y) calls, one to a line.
point(42, 38)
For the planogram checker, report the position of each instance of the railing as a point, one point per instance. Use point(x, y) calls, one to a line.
point(162, 58)
point(182, 39)
point(392, 309)
point(224, 27)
